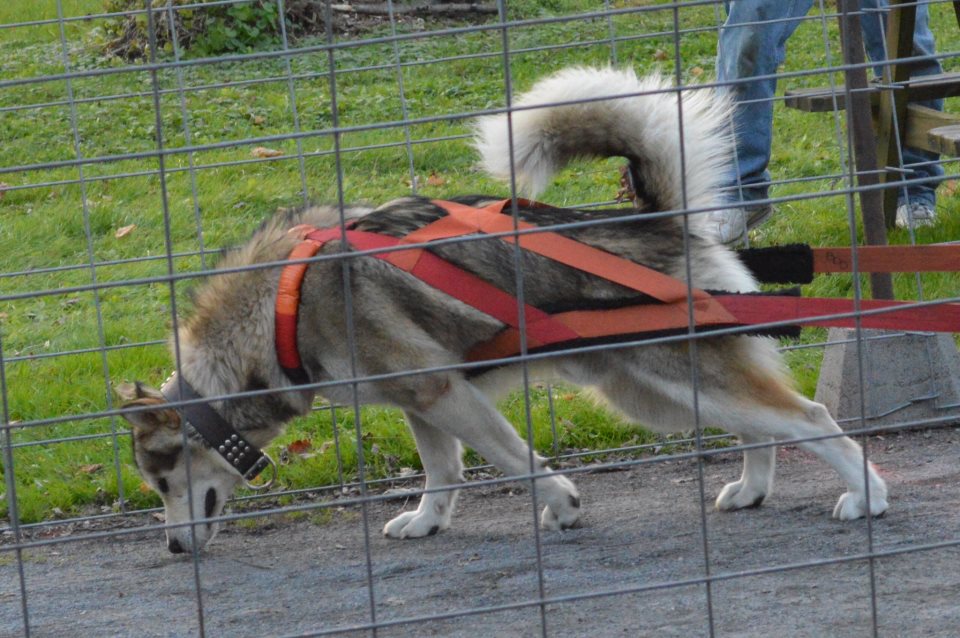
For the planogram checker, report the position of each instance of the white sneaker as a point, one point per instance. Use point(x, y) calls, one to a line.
point(915, 214)
point(732, 224)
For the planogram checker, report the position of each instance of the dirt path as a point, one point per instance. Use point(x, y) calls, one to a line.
point(642, 529)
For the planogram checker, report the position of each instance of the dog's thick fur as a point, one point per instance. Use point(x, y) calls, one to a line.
point(394, 322)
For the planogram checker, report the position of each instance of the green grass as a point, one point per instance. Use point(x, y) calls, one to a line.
point(59, 225)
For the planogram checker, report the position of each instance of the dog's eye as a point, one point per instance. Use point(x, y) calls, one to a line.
point(163, 486)
point(210, 502)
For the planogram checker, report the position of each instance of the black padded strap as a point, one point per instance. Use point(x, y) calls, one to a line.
point(244, 456)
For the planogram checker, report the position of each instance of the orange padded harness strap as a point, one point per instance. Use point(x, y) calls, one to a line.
point(462, 220)
point(287, 310)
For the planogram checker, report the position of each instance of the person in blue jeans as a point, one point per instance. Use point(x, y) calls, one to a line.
point(753, 45)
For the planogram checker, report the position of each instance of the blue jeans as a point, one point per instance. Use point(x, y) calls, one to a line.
point(753, 45)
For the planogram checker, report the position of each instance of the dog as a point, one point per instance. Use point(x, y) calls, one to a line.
point(359, 338)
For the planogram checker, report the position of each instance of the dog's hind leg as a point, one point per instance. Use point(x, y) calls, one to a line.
point(756, 482)
point(757, 407)
point(441, 455)
point(846, 456)
point(464, 412)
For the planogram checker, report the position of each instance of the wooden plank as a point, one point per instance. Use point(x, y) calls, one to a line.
point(946, 139)
point(921, 122)
point(920, 119)
point(862, 139)
point(821, 99)
point(893, 112)
point(932, 87)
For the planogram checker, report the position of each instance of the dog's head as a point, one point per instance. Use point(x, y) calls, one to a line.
point(189, 493)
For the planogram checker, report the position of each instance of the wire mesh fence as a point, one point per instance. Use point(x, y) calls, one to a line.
point(145, 138)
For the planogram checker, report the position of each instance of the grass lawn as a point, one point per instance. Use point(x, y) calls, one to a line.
point(65, 343)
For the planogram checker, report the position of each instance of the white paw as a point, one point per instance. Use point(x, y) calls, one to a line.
point(853, 505)
point(564, 511)
point(738, 495)
point(415, 524)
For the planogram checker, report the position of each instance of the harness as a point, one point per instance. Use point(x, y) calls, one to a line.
point(673, 303)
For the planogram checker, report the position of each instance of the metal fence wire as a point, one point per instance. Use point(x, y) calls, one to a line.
point(137, 149)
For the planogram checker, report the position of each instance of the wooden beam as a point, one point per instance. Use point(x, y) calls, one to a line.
point(927, 87)
point(922, 121)
point(946, 139)
point(901, 23)
point(862, 139)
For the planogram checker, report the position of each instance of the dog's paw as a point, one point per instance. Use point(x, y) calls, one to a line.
point(415, 525)
point(738, 495)
point(563, 512)
point(853, 505)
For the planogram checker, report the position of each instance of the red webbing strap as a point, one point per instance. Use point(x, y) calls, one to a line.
point(590, 324)
point(459, 284)
point(748, 310)
point(925, 258)
point(760, 309)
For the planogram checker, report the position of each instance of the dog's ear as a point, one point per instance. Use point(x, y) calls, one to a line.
point(136, 390)
point(139, 395)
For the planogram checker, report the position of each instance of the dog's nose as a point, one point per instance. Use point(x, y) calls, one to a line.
point(174, 546)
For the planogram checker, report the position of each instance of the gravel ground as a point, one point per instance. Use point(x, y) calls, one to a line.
point(638, 558)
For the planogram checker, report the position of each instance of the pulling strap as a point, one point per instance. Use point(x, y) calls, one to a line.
point(797, 263)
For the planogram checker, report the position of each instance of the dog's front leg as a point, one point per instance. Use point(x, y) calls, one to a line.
point(441, 455)
point(757, 480)
point(463, 411)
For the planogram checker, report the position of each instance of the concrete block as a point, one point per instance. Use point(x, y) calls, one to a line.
point(906, 377)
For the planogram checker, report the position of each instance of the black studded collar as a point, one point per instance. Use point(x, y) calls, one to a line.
point(245, 457)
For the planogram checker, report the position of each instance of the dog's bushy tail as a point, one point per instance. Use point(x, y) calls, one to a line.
point(615, 114)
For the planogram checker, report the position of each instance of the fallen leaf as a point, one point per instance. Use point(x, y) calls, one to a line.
point(258, 120)
point(126, 230)
point(696, 71)
point(949, 187)
point(660, 54)
point(144, 488)
point(92, 468)
point(263, 151)
point(435, 180)
point(299, 446)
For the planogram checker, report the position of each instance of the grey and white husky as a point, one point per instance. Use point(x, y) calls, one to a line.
point(388, 321)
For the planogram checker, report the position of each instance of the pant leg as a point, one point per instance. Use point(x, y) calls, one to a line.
point(923, 45)
point(752, 44)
